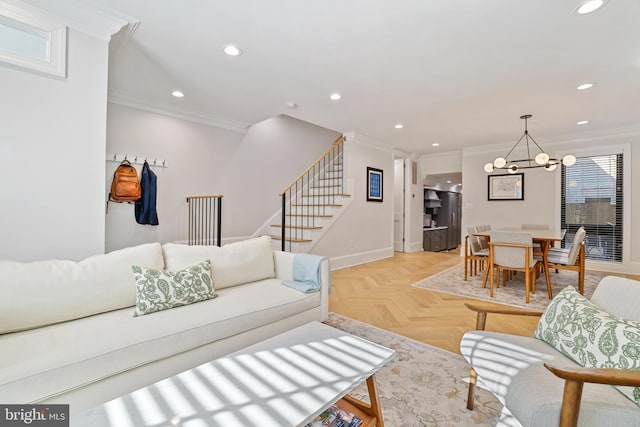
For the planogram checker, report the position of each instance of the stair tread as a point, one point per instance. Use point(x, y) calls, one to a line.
point(326, 195)
point(311, 215)
point(335, 205)
point(302, 227)
point(288, 239)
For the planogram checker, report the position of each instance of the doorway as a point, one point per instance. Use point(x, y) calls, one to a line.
point(398, 205)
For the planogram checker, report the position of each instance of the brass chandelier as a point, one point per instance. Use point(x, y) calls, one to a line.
point(541, 160)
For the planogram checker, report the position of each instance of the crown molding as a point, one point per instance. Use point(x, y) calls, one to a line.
point(368, 141)
point(121, 38)
point(620, 132)
point(120, 98)
point(86, 16)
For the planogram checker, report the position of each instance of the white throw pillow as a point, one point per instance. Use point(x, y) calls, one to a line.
point(158, 290)
point(45, 292)
point(232, 264)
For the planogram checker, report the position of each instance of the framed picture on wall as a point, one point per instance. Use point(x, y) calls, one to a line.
point(506, 187)
point(374, 185)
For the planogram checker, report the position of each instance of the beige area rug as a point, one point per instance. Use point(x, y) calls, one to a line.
point(423, 385)
point(451, 281)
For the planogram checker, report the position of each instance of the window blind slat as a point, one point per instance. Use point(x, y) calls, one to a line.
point(592, 197)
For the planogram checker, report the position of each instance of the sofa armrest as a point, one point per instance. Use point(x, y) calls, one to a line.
point(483, 309)
point(283, 262)
point(575, 377)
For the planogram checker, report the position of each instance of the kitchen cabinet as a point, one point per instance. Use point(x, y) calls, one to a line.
point(434, 239)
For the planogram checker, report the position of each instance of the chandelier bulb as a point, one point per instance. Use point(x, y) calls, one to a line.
point(488, 167)
point(542, 158)
point(513, 168)
point(550, 167)
point(569, 160)
point(500, 162)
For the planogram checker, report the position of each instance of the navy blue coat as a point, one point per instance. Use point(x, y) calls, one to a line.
point(145, 209)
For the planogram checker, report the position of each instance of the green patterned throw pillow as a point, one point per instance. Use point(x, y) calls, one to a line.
point(591, 337)
point(158, 290)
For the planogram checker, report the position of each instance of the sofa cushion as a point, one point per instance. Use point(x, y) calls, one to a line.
point(593, 338)
point(232, 264)
point(512, 368)
point(69, 355)
point(45, 292)
point(161, 290)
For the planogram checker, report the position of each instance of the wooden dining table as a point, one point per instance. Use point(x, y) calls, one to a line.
point(546, 238)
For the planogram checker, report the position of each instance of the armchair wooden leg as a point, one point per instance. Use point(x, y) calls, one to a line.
point(473, 377)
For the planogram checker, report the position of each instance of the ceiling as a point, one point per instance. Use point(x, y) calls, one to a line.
point(459, 73)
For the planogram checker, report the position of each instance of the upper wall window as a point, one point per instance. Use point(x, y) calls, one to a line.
point(29, 39)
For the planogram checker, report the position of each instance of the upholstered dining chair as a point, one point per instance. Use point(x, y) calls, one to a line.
point(512, 251)
point(571, 258)
point(474, 255)
point(484, 244)
point(537, 249)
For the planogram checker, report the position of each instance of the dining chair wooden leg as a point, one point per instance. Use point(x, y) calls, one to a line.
point(547, 276)
point(491, 281)
point(486, 276)
point(581, 260)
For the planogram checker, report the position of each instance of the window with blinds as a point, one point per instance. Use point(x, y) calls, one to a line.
point(592, 198)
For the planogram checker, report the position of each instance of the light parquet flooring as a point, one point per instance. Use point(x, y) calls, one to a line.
point(380, 293)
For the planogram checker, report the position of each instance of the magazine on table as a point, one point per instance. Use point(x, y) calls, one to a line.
point(335, 416)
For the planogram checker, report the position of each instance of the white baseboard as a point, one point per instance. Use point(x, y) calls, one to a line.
point(632, 267)
point(415, 247)
point(360, 258)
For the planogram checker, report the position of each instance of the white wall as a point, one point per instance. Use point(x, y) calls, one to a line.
point(437, 163)
point(365, 231)
point(538, 205)
point(248, 170)
point(52, 156)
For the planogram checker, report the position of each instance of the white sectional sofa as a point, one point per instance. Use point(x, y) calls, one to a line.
point(68, 333)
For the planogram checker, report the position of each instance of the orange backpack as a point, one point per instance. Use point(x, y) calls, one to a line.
point(125, 186)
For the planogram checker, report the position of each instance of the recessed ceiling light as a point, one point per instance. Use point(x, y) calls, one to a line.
point(177, 94)
point(435, 144)
point(589, 6)
point(399, 126)
point(583, 86)
point(232, 50)
point(582, 122)
point(335, 96)
point(292, 105)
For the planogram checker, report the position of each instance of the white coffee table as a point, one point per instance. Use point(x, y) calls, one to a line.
point(286, 380)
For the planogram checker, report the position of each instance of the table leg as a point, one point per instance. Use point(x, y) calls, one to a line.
point(374, 409)
point(545, 260)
